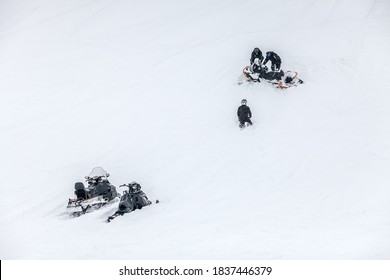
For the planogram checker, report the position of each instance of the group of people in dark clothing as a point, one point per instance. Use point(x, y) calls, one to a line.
point(258, 65)
point(269, 56)
point(258, 69)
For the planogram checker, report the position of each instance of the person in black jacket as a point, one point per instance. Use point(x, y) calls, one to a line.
point(244, 114)
point(275, 60)
point(256, 54)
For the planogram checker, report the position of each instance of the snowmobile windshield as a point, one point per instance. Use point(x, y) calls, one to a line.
point(98, 172)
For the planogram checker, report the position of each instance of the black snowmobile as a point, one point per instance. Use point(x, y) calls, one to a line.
point(131, 200)
point(98, 193)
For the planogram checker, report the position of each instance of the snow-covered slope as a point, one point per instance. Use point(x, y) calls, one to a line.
point(148, 90)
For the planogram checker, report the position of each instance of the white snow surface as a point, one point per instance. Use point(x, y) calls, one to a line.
point(148, 90)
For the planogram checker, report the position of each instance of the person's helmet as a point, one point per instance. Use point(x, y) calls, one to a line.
point(243, 102)
point(257, 61)
point(256, 50)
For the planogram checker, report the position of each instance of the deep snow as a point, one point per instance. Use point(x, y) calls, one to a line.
point(148, 90)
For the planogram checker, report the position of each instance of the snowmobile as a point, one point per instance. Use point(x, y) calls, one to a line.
point(290, 79)
point(131, 200)
point(279, 79)
point(98, 193)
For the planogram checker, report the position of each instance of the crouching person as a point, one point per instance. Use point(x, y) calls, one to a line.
point(244, 114)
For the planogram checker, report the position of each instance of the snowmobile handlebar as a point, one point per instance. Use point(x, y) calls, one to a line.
point(133, 188)
point(97, 179)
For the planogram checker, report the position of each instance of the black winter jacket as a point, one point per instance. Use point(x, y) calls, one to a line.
point(244, 112)
point(259, 55)
point(273, 57)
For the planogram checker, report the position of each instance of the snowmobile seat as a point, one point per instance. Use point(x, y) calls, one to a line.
point(140, 199)
point(80, 191)
point(125, 207)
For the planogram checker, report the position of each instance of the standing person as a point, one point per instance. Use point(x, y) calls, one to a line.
point(275, 60)
point(256, 54)
point(244, 114)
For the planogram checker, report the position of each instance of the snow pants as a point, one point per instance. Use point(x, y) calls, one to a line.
point(244, 120)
